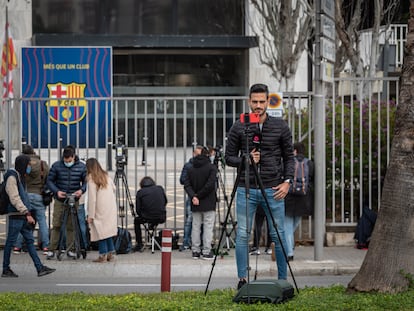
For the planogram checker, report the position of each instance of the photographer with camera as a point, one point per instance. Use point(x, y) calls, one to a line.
point(20, 217)
point(66, 176)
point(269, 146)
point(35, 182)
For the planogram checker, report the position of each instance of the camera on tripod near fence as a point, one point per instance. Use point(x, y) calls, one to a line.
point(121, 153)
point(219, 156)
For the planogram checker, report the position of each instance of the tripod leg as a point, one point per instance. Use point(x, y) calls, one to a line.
point(62, 233)
point(229, 204)
point(271, 220)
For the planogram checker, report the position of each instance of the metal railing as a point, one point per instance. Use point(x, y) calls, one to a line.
point(159, 134)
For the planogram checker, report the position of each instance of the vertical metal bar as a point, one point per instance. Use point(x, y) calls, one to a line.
point(370, 143)
point(98, 104)
point(136, 134)
point(146, 134)
point(195, 138)
point(342, 160)
point(204, 122)
point(351, 158)
point(214, 123)
point(379, 146)
point(175, 162)
point(333, 167)
point(165, 143)
point(155, 137)
point(361, 153)
point(39, 126)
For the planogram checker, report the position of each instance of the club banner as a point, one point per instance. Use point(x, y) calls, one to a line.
point(66, 95)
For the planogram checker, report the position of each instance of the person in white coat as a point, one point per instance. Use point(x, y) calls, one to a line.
point(102, 211)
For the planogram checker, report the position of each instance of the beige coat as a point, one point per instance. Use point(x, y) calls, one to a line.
point(102, 209)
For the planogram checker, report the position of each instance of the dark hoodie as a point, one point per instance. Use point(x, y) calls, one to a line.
point(201, 183)
point(15, 186)
point(151, 201)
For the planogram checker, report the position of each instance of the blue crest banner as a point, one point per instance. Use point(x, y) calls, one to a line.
point(66, 96)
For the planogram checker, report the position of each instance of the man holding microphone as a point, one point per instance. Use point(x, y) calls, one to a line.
point(269, 145)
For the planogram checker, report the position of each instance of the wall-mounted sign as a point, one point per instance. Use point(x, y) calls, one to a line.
point(275, 107)
point(62, 89)
point(328, 27)
point(328, 50)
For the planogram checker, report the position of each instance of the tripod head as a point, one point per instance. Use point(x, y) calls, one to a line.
point(70, 200)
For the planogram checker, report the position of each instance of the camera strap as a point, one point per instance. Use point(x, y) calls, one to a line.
point(42, 170)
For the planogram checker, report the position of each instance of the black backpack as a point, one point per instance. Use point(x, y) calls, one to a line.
point(4, 198)
point(123, 241)
point(300, 184)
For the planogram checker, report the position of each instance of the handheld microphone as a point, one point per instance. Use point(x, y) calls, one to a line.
point(257, 140)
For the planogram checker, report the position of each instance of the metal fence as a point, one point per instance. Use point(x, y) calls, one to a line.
point(158, 136)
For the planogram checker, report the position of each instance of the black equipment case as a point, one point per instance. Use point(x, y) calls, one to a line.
point(273, 291)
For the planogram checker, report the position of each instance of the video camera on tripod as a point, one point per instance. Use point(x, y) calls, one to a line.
point(121, 153)
point(219, 156)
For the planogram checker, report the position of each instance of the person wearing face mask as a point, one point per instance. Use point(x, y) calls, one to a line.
point(67, 176)
point(35, 182)
point(20, 217)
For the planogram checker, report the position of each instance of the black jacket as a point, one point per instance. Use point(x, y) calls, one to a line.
point(201, 183)
point(276, 151)
point(67, 179)
point(150, 203)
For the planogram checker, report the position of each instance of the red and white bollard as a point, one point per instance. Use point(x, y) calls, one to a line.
point(166, 246)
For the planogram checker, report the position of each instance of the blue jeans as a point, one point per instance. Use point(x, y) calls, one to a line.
point(244, 227)
point(36, 203)
point(106, 246)
point(291, 223)
point(39, 213)
point(187, 223)
point(16, 226)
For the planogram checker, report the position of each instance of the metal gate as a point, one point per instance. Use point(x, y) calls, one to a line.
point(159, 133)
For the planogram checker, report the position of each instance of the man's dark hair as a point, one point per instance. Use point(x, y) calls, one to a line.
point(259, 88)
point(146, 181)
point(300, 148)
point(69, 151)
point(27, 149)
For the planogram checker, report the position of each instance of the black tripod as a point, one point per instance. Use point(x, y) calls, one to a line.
point(229, 219)
point(70, 208)
point(123, 195)
point(224, 225)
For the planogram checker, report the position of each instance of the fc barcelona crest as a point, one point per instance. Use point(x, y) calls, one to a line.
point(67, 104)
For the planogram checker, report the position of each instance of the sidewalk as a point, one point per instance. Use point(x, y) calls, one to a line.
point(337, 260)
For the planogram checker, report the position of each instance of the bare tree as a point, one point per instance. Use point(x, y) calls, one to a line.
point(283, 28)
point(351, 17)
point(388, 264)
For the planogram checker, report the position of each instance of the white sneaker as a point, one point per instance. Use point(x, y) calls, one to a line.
point(71, 254)
point(254, 251)
point(50, 255)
